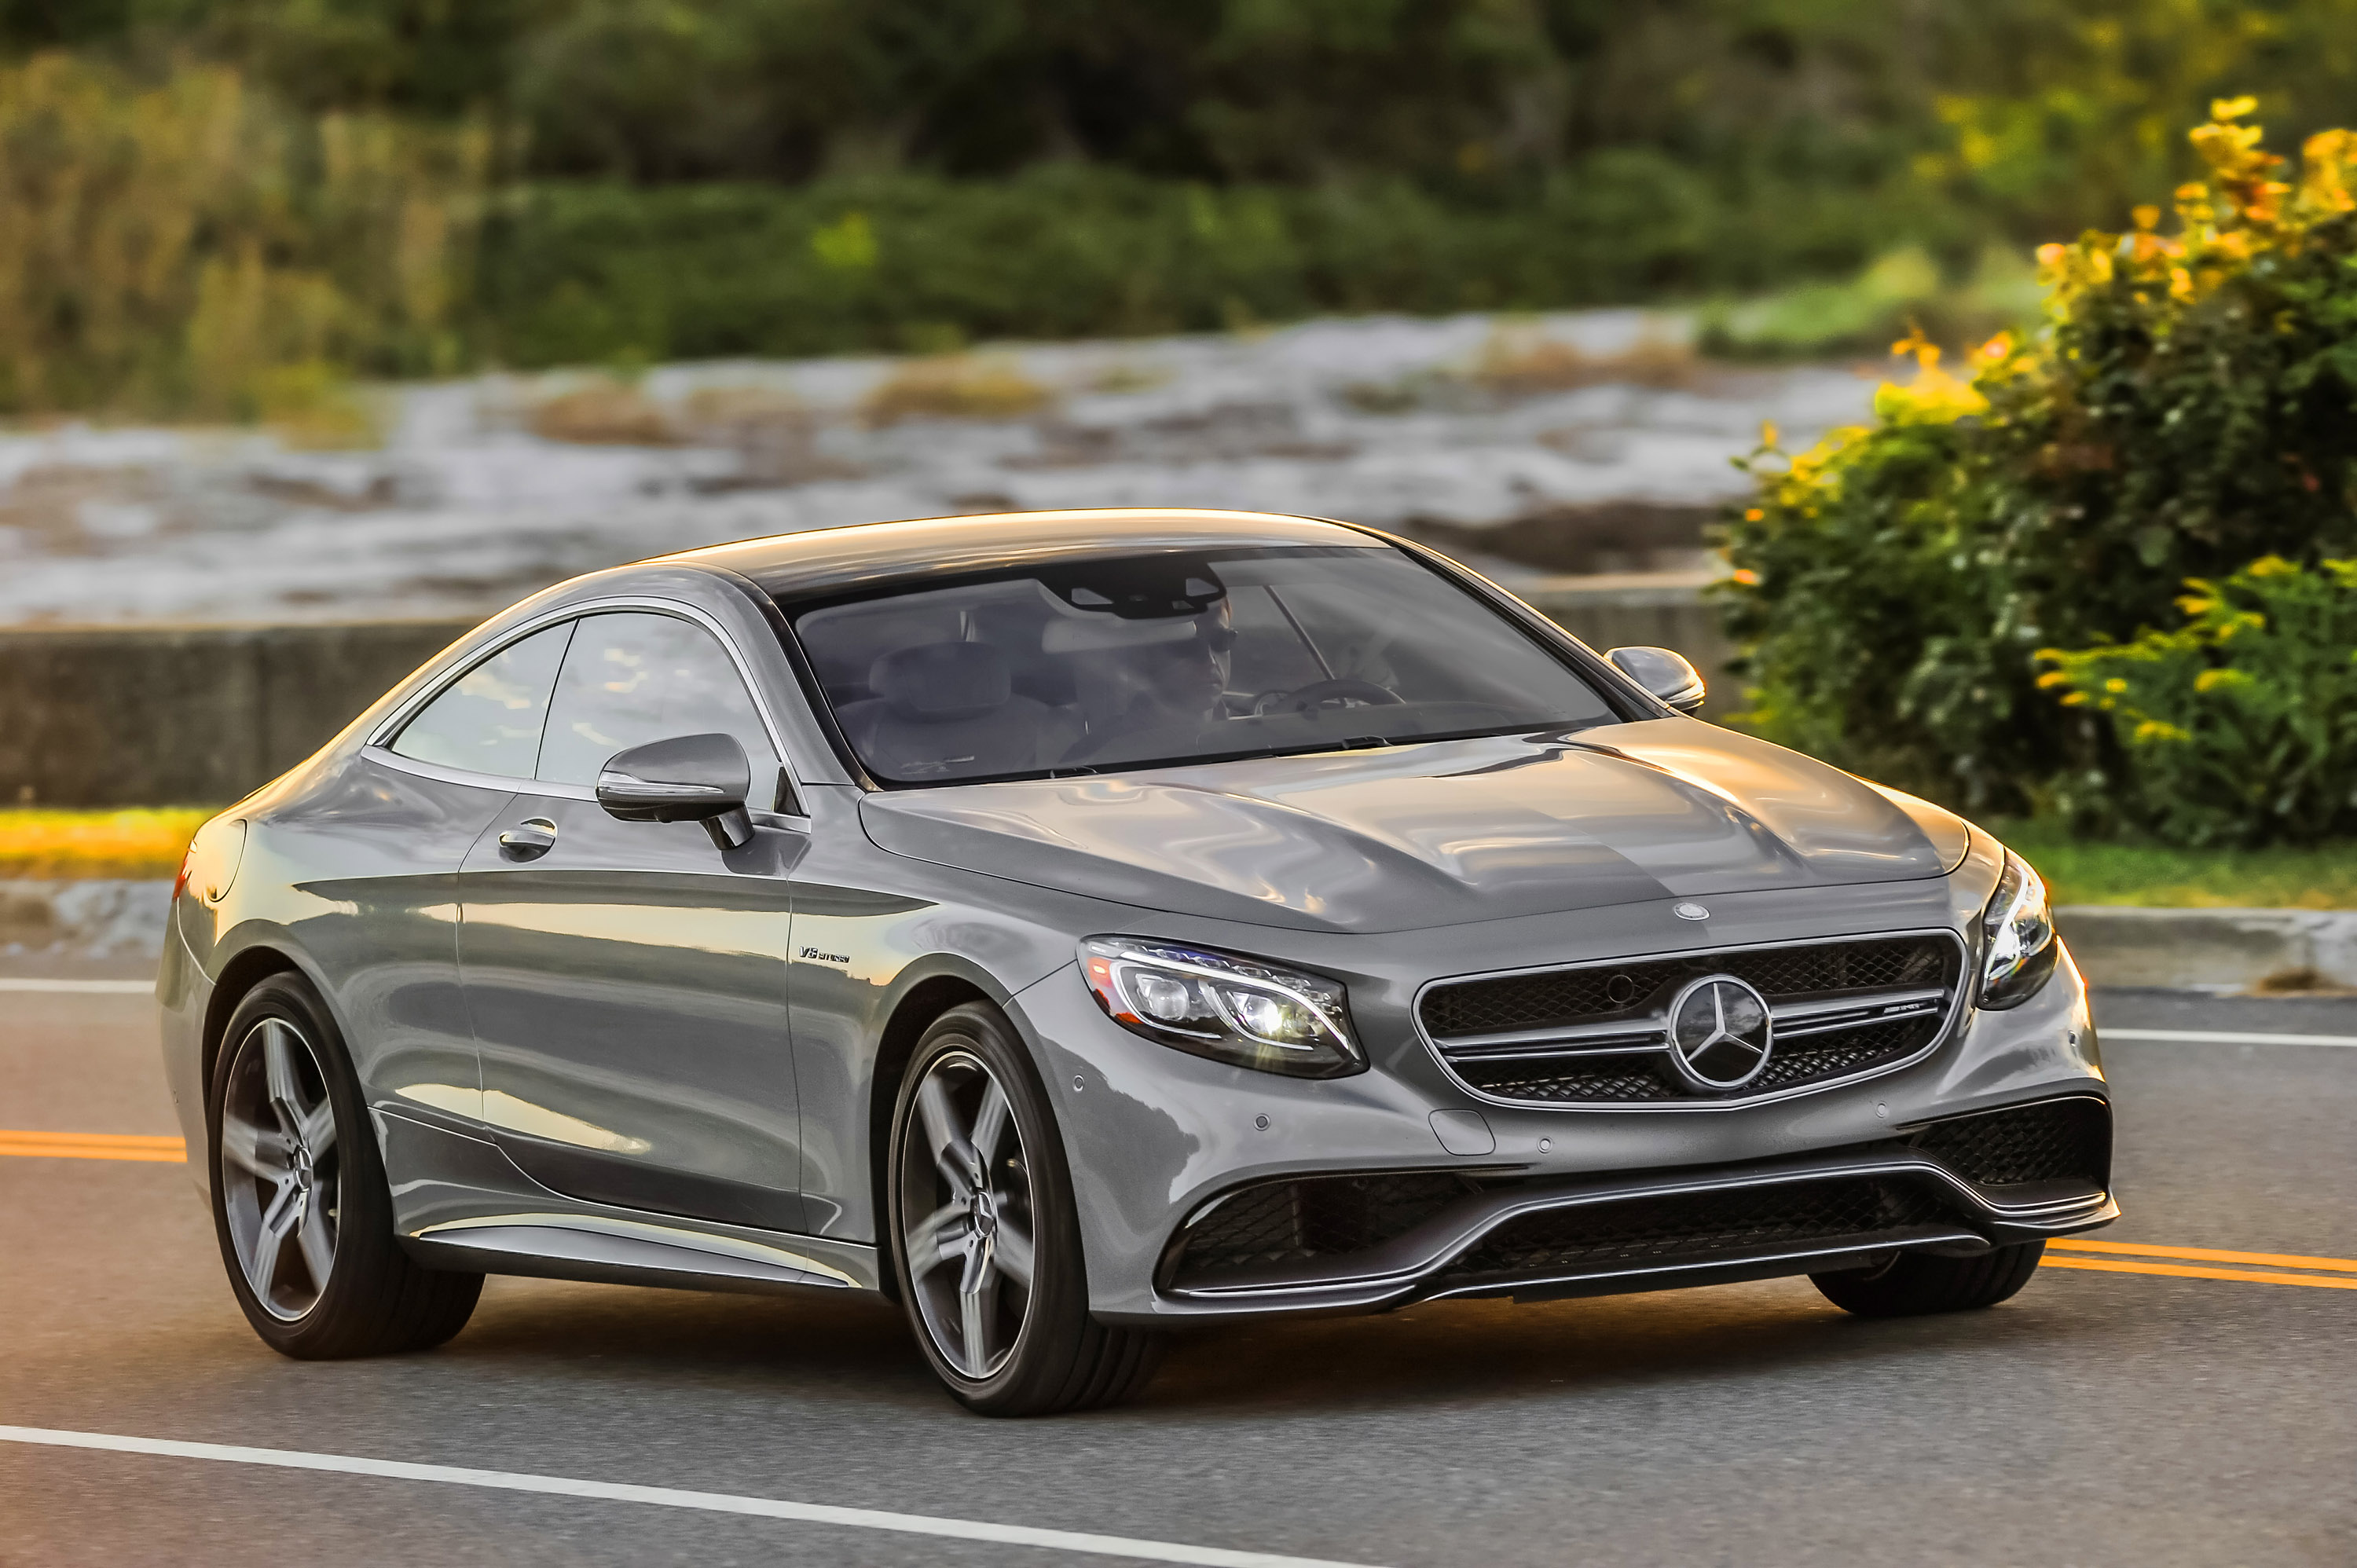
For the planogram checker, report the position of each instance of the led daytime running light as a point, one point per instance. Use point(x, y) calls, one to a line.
point(1225, 1006)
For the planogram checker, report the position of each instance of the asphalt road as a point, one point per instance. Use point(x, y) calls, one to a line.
point(2098, 1418)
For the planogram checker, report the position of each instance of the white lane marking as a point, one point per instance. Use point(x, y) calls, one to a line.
point(85, 987)
point(2211, 1038)
point(668, 1496)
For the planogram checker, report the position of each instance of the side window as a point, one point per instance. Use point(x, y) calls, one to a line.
point(490, 719)
point(630, 678)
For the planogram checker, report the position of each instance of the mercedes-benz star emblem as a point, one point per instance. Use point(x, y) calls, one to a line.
point(1689, 911)
point(1720, 1032)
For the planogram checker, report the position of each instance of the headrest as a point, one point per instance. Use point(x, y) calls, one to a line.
point(1097, 633)
point(935, 682)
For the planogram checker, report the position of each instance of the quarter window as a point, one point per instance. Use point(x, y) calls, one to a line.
point(631, 677)
point(490, 719)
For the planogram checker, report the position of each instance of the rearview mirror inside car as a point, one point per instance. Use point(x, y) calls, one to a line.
point(1665, 674)
point(693, 778)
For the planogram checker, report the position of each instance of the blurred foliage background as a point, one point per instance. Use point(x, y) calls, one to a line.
point(221, 207)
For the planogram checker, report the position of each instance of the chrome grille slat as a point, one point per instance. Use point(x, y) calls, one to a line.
point(1793, 1021)
point(1843, 1008)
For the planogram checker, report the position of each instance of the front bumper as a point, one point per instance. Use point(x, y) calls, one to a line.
point(1378, 1240)
point(1160, 1136)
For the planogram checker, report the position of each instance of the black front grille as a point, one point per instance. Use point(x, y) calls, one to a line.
point(1701, 1224)
point(1562, 996)
point(1638, 993)
point(2055, 1140)
point(1315, 1217)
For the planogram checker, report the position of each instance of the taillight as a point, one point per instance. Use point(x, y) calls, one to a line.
point(210, 864)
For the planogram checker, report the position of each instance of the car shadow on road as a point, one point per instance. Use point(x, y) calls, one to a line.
point(1456, 1351)
point(858, 1351)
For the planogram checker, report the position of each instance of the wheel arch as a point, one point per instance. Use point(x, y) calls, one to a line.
point(248, 968)
point(905, 1022)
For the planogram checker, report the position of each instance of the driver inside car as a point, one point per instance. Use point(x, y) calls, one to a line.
point(1148, 682)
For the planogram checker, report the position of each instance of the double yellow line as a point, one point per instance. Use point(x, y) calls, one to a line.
point(94, 1146)
point(2071, 1252)
point(2265, 1268)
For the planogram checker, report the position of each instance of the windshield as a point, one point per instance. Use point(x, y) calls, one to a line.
point(1098, 665)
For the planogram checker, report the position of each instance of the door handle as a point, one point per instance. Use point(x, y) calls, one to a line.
point(529, 839)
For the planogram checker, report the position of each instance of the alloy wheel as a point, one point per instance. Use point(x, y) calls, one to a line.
point(966, 1214)
point(281, 1171)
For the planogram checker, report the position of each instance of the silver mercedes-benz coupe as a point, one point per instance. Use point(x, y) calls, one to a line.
point(1079, 925)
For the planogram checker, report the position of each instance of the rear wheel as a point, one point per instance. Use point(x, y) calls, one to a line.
point(1913, 1283)
point(985, 1236)
point(300, 1203)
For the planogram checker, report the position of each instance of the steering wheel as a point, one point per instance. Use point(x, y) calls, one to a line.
point(1317, 695)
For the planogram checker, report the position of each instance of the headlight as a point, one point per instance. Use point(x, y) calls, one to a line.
point(1217, 1005)
point(2016, 938)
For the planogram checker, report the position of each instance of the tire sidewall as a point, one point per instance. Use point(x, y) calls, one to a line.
point(1059, 1303)
point(364, 1205)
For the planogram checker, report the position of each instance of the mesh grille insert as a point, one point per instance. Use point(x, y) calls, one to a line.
point(1699, 1225)
point(2057, 1140)
point(1638, 993)
point(1318, 1217)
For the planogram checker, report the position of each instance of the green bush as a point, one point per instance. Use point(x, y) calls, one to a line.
point(2238, 728)
point(2185, 409)
point(584, 271)
point(186, 246)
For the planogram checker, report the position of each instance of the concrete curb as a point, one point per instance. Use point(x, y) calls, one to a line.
point(2210, 949)
point(2207, 950)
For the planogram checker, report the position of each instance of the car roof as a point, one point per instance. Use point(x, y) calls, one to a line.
point(829, 560)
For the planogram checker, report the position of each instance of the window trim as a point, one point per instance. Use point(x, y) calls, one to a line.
point(379, 745)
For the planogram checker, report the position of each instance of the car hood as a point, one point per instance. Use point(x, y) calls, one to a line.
point(1437, 833)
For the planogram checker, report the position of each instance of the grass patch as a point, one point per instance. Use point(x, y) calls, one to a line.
point(605, 412)
point(954, 386)
point(2160, 878)
point(63, 845)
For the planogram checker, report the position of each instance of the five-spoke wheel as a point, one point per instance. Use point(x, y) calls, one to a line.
point(299, 1195)
point(280, 1168)
point(965, 1205)
point(987, 1239)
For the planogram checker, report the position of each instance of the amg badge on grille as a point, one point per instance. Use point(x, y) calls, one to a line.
point(1719, 1032)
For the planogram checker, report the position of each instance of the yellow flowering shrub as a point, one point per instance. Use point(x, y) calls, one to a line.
point(2184, 408)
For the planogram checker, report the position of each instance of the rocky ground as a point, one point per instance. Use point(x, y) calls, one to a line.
point(1587, 441)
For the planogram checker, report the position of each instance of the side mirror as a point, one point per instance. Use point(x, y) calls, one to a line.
point(1665, 674)
point(694, 778)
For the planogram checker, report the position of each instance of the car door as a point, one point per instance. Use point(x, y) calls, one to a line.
point(388, 837)
point(626, 981)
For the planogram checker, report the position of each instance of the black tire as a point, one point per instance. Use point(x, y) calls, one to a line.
point(283, 1045)
point(1913, 1283)
point(1050, 1356)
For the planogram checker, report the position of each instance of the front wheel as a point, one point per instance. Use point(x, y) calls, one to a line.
point(985, 1236)
point(1914, 1284)
point(300, 1203)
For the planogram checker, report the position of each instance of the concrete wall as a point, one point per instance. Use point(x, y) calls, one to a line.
point(168, 716)
point(199, 714)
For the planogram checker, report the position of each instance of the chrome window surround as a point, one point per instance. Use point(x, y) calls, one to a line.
point(1739, 1101)
point(379, 746)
